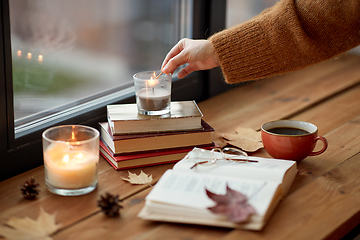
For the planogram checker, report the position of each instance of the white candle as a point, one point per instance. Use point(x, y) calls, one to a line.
point(70, 168)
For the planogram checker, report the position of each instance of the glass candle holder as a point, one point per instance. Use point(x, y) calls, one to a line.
point(71, 159)
point(153, 95)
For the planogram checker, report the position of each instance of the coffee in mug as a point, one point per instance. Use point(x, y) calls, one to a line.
point(291, 140)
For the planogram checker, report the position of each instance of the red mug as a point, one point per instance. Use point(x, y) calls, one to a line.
point(291, 140)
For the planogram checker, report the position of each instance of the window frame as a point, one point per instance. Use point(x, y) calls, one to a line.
point(25, 152)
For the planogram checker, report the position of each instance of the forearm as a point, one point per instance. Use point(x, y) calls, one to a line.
point(289, 36)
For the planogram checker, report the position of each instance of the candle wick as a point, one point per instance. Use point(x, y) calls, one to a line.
point(153, 89)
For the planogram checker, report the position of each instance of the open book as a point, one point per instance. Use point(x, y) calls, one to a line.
point(179, 195)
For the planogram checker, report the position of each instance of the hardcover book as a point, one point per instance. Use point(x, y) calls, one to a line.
point(141, 159)
point(124, 119)
point(180, 195)
point(128, 143)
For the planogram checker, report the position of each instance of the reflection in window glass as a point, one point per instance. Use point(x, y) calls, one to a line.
point(66, 51)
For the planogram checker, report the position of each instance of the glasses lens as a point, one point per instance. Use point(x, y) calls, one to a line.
point(216, 154)
point(202, 157)
point(234, 154)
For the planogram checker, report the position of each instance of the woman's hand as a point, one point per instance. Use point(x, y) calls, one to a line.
point(198, 54)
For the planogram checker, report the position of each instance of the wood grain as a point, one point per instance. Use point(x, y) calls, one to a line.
point(13, 204)
point(255, 104)
point(319, 207)
point(323, 202)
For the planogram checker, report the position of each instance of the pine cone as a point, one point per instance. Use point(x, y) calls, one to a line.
point(29, 190)
point(110, 205)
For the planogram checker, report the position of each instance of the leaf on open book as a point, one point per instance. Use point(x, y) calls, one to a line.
point(142, 178)
point(247, 139)
point(27, 228)
point(233, 204)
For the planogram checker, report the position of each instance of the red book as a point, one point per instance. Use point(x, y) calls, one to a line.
point(142, 159)
point(129, 143)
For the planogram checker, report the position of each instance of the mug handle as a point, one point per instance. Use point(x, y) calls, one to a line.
point(324, 147)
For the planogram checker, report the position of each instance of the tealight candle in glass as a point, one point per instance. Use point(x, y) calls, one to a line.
point(153, 92)
point(71, 159)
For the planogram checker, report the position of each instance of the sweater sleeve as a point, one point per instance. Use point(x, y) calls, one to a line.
point(289, 36)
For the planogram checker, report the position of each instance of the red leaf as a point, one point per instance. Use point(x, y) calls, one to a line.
point(233, 205)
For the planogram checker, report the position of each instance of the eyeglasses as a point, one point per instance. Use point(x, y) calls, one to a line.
point(227, 154)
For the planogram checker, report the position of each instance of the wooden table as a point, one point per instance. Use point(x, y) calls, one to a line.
point(323, 202)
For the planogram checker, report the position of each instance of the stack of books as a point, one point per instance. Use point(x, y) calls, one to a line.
point(131, 140)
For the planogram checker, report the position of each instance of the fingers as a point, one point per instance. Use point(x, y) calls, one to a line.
point(173, 52)
point(174, 63)
point(182, 74)
point(187, 70)
point(199, 54)
point(174, 58)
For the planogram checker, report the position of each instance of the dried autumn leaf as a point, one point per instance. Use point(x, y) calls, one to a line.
point(142, 178)
point(27, 228)
point(233, 205)
point(247, 139)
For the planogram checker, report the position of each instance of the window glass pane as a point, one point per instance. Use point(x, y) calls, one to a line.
point(70, 51)
point(240, 11)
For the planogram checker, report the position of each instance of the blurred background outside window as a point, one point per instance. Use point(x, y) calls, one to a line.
point(239, 11)
point(68, 52)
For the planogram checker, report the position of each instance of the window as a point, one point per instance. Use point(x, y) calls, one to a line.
point(240, 11)
point(64, 61)
point(67, 53)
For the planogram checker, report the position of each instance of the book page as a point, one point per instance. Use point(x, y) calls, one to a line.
point(187, 189)
point(266, 169)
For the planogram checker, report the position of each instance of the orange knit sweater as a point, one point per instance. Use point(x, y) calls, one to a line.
point(289, 36)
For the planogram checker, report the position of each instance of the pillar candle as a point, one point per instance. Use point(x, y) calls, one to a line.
point(70, 168)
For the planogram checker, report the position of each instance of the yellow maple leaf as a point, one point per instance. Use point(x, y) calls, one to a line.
point(142, 178)
point(247, 139)
point(27, 228)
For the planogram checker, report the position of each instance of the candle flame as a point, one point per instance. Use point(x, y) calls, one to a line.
point(66, 158)
point(29, 55)
point(80, 155)
point(19, 53)
point(40, 58)
point(152, 82)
